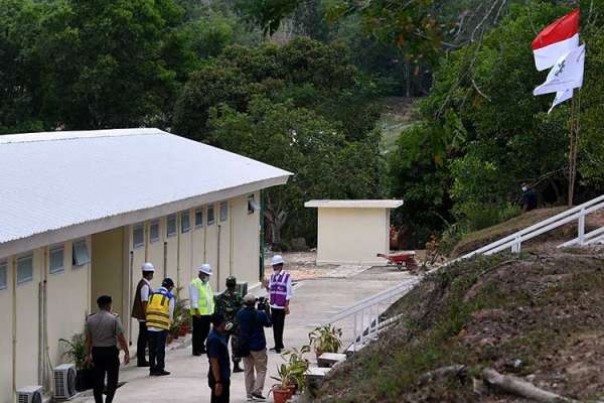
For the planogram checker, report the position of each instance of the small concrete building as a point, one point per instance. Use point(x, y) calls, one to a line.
point(80, 212)
point(353, 231)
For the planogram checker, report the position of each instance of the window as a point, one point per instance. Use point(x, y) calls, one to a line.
point(210, 215)
point(3, 275)
point(198, 218)
point(251, 204)
point(80, 253)
point(224, 211)
point(171, 227)
point(185, 221)
point(56, 259)
point(154, 231)
point(25, 269)
point(138, 236)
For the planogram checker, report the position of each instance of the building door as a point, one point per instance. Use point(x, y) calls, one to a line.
point(109, 271)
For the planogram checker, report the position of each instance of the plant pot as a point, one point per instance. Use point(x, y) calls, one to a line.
point(84, 379)
point(281, 395)
point(292, 389)
point(183, 331)
point(169, 338)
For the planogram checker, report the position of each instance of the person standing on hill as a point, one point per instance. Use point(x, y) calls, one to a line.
point(279, 287)
point(228, 304)
point(160, 313)
point(529, 198)
point(139, 309)
point(202, 307)
point(103, 332)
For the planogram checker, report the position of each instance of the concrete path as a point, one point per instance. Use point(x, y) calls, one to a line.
point(314, 302)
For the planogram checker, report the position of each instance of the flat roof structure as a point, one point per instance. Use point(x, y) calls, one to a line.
point(390, 204)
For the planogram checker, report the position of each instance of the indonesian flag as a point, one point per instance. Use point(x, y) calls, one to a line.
point(556, 40)
point(566, 75)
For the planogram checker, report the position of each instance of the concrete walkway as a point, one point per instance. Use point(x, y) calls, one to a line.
point(314, 302)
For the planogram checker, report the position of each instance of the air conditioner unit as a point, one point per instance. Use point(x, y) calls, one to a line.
point(29, 394)
point(64, 381)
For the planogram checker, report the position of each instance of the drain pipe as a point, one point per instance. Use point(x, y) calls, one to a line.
point(262, 207)
point(165, 259)
point(130, 295)
point(218, 259)
point(14, 325)
point(178, 231)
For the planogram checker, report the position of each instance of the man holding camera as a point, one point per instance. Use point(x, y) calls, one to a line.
point(252, 346)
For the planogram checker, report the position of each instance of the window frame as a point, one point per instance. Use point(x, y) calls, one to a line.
point(224, 211)
point(251, 204)
point(74, 253)
point(154, 223)
point(135, 229)
point(185, 214)
point(213, 219)
point(54, 249)
point(28, 256)
point(169, 218)
point(200, 223)
point(3, 275)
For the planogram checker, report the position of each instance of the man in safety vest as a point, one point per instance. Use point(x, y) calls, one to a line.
point(202, 307)
point(279, 286)
point(160, 313)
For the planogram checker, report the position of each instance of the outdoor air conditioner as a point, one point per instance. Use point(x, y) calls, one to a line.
point(29, 394)
point(64, 381)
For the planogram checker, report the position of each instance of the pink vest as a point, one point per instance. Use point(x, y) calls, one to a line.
point(279, 288)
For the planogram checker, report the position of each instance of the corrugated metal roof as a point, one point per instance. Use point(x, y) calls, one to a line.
point(55, 180)
point(354, 203)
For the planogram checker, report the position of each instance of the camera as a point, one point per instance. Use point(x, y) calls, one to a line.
point(263, 305)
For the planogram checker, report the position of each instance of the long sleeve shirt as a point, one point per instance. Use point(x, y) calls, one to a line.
point(194, 295)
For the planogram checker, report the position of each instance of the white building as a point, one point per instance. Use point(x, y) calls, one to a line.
point(353, 231)
point(81, 211)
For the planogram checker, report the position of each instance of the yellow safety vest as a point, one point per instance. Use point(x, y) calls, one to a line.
point(206, 297)
point(158, 311)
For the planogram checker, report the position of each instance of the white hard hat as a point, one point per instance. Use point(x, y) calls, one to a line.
point(148, 267)
point(205, 268)
point(277, 259)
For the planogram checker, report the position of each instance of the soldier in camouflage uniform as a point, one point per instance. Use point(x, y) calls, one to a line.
point(228, 304)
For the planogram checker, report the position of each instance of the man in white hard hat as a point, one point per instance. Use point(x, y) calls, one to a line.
point(279, 286)
point(202, 307)
point(139, 309)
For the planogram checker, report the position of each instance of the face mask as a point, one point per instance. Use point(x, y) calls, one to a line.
point(524, 188)
point(204, 279)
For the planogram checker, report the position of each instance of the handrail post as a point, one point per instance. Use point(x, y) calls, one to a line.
point(516, 245)
point(581, 227)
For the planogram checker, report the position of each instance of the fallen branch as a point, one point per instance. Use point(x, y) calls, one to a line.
point(516, 386)
point(459, 371)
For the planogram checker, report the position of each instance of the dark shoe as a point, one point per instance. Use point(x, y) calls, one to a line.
point(196, 354)
point(161, 373)
point(257, 397)
point(237, 368)
point(143, 364)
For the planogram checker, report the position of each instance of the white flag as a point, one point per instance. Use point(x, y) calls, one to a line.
point(561, 96)
point(566, 74)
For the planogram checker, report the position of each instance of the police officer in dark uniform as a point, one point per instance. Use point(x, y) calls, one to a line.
point(228, 304)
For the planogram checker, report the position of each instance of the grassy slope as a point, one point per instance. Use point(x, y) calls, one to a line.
point(540, 316)
point(399, 113)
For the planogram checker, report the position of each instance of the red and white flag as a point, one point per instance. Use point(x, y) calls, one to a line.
point(556, 40)
point(567, 74)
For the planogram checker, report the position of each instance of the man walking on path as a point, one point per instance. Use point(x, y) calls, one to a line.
point(139, 309)
point(160, 314)
point(202, 308)
point(219, 374)
point(103, 331)
point(228, 304)
point(279, 287)
point(252, 322)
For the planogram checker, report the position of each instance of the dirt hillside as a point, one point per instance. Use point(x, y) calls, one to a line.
point(538, 317)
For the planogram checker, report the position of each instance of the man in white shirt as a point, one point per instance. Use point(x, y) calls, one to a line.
point(279, 286)
point(139, 309)
point(202, 307)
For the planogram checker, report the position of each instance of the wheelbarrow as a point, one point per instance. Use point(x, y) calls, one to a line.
point(403, 260)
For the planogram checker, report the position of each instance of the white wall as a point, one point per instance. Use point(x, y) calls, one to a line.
point(352, 235)
point(245, 240)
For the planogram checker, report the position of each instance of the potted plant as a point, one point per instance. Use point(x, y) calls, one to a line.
point(325, 339)
point(76, 352)
point(281, 391)
point(291, 374)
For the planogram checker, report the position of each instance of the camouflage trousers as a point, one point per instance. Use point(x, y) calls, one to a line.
point(234, 347)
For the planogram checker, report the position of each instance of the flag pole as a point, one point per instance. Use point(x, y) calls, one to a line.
point(574, 144)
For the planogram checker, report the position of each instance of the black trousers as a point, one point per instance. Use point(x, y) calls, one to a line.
point(225, 396)
point(106, 361)
point(141, 343)
point(157, 350)
point(278, 319)
point(201, 328)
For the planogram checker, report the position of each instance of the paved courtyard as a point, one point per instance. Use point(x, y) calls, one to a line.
point(320, 294)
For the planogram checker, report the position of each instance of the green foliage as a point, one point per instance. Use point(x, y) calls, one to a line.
point(76, 349)
point(325, 339)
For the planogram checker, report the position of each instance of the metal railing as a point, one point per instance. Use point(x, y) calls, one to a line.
point(365, 314)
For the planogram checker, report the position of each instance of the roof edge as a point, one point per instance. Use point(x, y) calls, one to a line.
point(73, 135)
point(375, 203)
